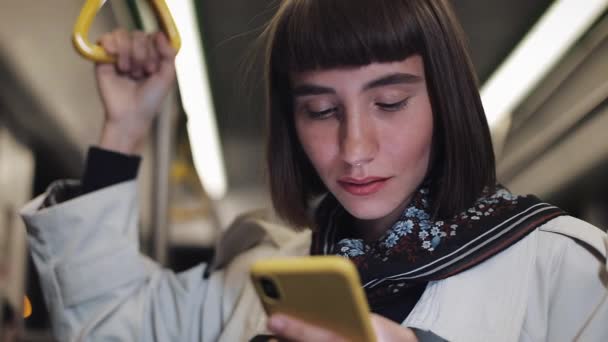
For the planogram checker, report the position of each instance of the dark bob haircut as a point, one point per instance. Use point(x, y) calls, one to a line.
point(309, 35)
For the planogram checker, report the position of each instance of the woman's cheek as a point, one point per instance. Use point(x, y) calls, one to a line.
point(319, 143)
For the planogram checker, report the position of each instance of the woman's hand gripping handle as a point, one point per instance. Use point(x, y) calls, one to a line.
point(133, 88)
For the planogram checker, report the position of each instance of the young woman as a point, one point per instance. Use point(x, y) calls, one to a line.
point(374, 109)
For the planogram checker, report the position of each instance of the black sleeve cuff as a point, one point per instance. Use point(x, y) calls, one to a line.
point(104, 168)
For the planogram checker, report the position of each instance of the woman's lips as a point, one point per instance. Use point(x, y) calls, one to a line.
point(363, 186)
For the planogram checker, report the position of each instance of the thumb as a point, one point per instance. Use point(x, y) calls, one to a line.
point(389, 331)
point(103, 69)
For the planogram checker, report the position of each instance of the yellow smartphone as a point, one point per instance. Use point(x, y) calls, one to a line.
point(321, 290)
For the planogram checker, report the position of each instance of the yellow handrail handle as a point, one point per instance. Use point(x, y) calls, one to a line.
point(27, 307)
point(95, 52)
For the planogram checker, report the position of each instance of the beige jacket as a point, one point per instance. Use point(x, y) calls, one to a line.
point(550, 286)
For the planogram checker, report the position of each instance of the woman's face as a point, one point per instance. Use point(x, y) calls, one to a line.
point(368, 133)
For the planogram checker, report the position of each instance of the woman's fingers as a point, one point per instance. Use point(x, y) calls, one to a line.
point(123, 52)
point(292, 329)
point(139, 54)
point(295, 330)
point(153, 55)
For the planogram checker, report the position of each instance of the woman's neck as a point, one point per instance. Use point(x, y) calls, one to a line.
point(372, 230)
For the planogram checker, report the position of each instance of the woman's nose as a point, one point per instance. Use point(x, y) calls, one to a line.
point(359, 143)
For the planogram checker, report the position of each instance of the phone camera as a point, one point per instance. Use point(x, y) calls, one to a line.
point(269, 288)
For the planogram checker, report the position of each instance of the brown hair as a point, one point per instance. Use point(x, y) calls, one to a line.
point(322, 34)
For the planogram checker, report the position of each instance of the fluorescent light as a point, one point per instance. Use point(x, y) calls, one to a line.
point(196, 99)
point(550, 38)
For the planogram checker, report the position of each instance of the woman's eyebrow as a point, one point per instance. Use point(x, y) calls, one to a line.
point(311, 89)
point(307, 89)
point(396, 78)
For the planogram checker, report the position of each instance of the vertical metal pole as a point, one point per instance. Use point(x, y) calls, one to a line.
point(16, 174)
point(160, 175)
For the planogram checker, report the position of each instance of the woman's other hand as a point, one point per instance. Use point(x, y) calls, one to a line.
point(291, 329)
point(133, 88)
point(389, 331)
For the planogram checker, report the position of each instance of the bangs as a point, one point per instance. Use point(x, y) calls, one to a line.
point(324, 34)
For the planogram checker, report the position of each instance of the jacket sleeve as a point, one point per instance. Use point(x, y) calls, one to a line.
point(577, 282)
point(98, 286)
point(581, 294)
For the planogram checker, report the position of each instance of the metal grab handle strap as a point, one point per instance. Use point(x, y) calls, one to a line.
point(95, 52)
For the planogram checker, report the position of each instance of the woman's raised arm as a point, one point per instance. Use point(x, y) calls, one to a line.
point(85, 244)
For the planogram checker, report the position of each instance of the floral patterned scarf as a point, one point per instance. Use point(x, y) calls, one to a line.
point(417, 249)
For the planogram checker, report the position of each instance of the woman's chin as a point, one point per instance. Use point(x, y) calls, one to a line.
point(372, 208)
point(367, 211)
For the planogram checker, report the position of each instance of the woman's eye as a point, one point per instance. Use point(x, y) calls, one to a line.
point(395, 106)
point(321, 114)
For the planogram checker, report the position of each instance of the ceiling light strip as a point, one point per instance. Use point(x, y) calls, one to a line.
point(197, 101)
point(538, 52)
